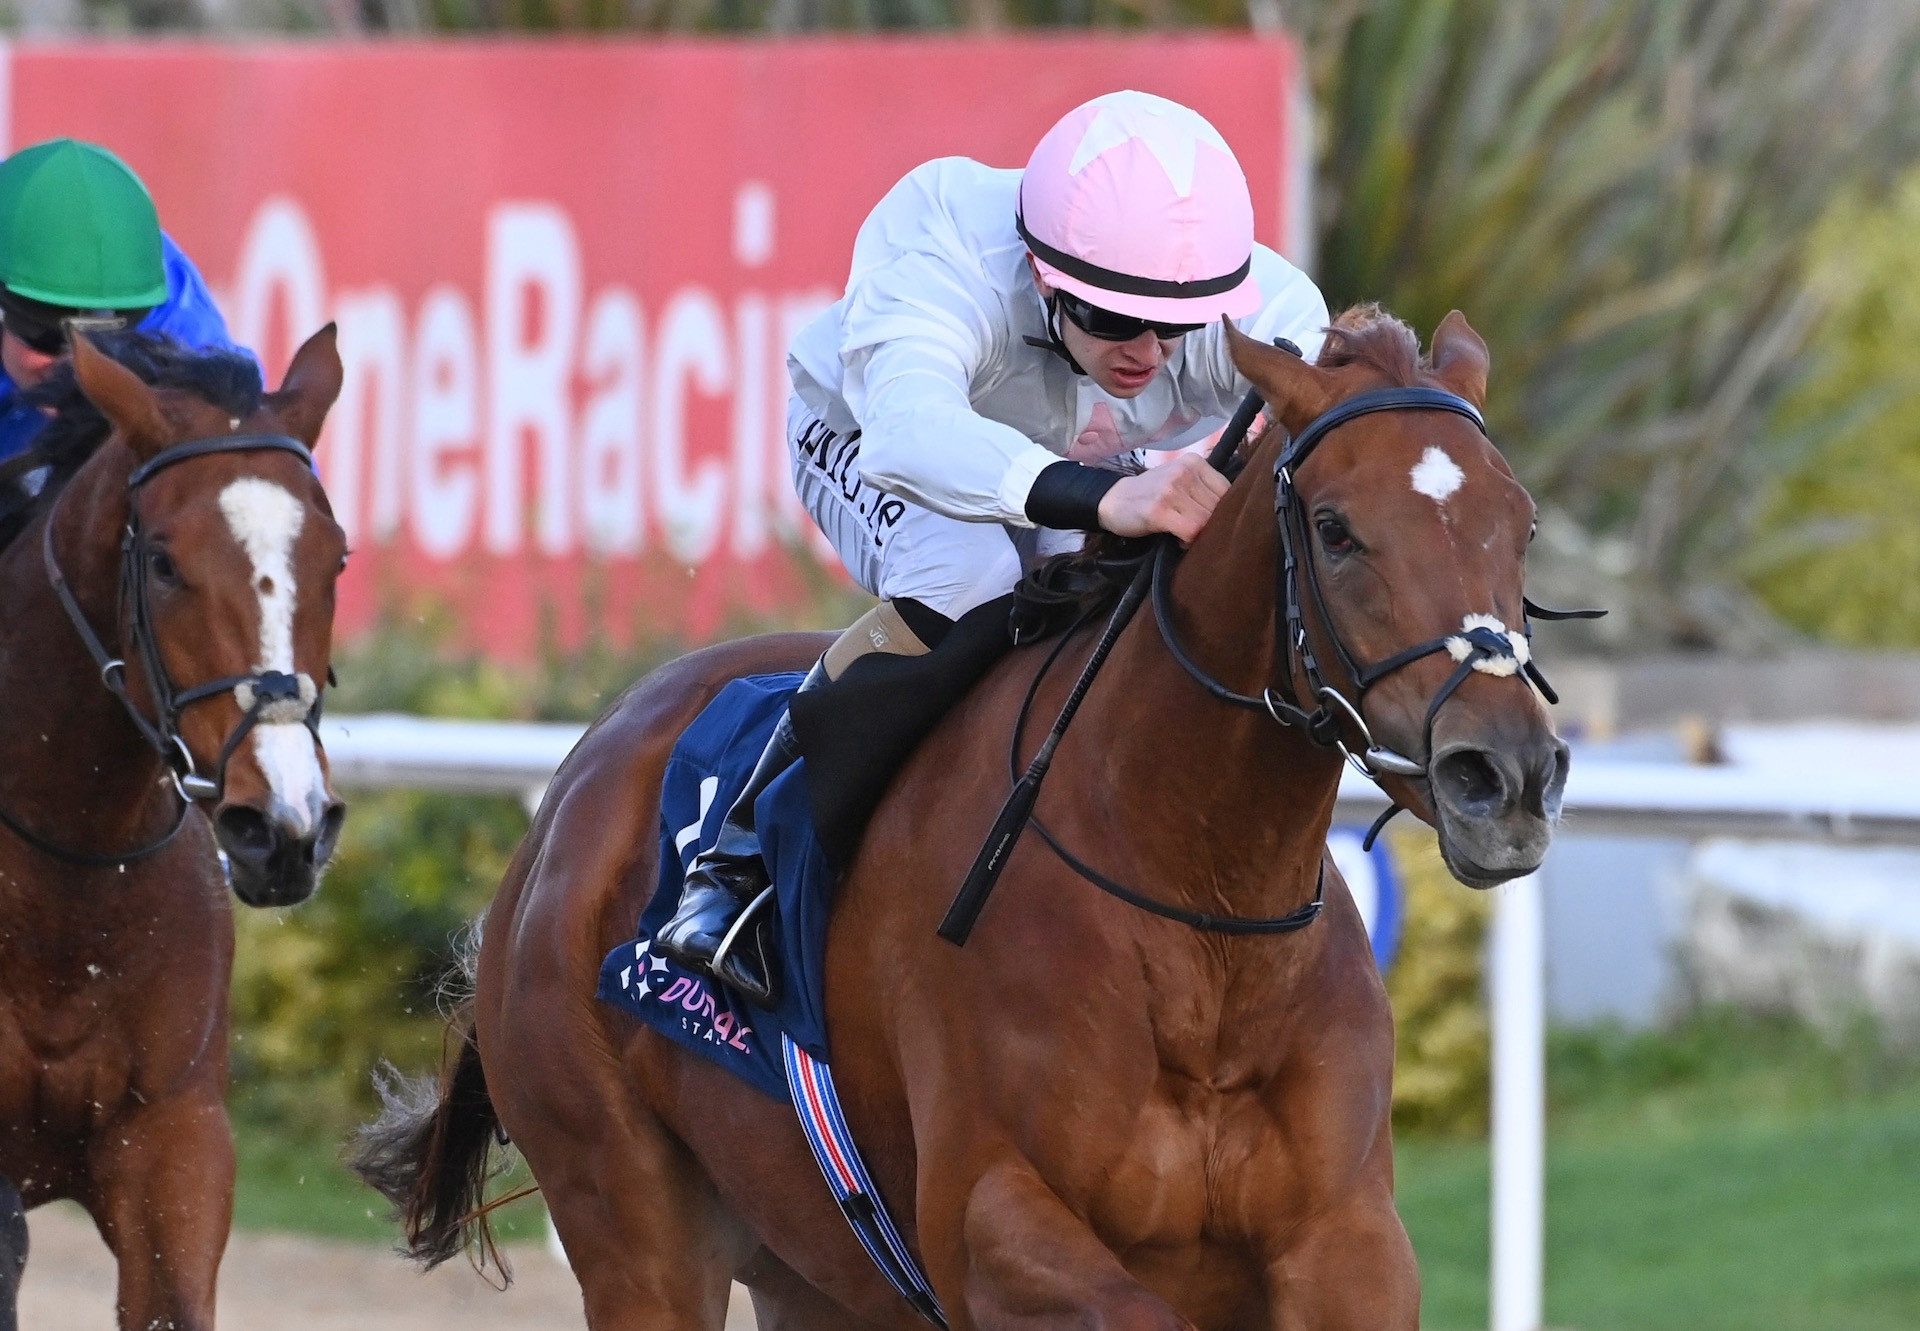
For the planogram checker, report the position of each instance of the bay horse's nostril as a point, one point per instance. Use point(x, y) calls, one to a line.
point(272, 863)
point(321, 849)
point(246, 835)
point(1473, 783)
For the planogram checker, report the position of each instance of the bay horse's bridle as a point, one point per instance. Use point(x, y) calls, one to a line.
point(262, 694)
point(1482, 643)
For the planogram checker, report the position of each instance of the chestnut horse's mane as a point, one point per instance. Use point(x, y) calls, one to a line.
point(1367, 335)
point(229, 380)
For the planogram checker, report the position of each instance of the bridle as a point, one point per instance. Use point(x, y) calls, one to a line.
point(263, 695)
point(1481, 644)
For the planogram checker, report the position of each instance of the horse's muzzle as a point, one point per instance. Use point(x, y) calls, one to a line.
point(276, 859)
point(1497, 805)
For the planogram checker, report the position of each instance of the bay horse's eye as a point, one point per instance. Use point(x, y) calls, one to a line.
point(1335, 536)
point(160, 565)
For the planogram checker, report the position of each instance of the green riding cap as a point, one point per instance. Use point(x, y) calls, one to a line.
point(78, 229)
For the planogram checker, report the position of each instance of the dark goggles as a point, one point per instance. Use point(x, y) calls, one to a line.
point(47, 328)
point(1110, 327)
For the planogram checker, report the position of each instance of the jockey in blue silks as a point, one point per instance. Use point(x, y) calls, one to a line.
point(81, 250)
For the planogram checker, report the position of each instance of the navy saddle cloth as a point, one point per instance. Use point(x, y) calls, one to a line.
point(855, 733)
point(709, 768)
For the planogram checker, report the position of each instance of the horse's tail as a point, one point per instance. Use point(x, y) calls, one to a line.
point(429, 1151)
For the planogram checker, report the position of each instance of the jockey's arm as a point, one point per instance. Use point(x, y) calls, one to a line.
point(921, 439)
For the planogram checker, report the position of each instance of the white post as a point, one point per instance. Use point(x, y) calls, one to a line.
point(1517, 996)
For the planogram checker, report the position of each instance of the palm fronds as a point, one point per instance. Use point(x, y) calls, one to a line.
point(1620, 192)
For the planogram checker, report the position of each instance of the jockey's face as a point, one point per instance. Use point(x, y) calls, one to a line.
point(27, 367)
point(1123, 368)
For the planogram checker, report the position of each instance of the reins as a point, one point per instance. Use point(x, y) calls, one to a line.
point(1482, 644)
point(1017, 812)
point(261, 693)
point(1193, 919)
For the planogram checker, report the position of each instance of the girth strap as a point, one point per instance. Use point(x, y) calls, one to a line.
point(817, 1104)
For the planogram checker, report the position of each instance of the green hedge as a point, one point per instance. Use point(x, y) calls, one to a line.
point(1442, 1047)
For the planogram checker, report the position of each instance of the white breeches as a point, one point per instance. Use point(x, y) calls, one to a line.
point(897, 549)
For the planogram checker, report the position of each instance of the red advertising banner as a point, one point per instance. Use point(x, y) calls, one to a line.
point(565, 273)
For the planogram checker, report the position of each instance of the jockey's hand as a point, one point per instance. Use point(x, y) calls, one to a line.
point(1178, 496)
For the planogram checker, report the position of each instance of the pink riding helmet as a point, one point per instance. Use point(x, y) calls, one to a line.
point(1136, 204)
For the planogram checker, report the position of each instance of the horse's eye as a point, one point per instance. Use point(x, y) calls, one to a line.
point(1335, 537)
point(344, 556)
point(1532, 532)
point(160, 565)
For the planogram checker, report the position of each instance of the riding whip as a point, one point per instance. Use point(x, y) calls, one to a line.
point(971, 899)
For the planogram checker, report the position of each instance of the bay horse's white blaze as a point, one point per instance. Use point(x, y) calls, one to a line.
point(265, 520)
point(1436, 475)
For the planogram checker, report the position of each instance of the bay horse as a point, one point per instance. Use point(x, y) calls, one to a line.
point(169, 599)
point(1089, 1116)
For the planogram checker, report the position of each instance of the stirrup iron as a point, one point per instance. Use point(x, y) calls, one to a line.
point(747, 919)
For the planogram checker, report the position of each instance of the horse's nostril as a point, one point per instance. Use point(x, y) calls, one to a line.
point(1545, 778)
point(244, 833)
point(1470, 782)
point(329, 834)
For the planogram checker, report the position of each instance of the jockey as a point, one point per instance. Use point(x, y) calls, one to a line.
point(1008, 342)
point(81, 250)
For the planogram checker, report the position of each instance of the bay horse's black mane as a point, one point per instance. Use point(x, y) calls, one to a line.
point(229, 380)
point(1070, 586)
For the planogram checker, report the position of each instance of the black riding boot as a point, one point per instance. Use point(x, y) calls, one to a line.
point(728, 878)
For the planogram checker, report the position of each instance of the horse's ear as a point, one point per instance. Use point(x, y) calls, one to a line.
point(122, 396)
point(1295, 391)
point(312, 383)
point(1460, 359)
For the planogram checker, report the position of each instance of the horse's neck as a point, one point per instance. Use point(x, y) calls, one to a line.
point(1236, 805)
point(74, 768)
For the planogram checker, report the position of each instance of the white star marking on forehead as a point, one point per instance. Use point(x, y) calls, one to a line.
point(1126, 115)
point(1436, 475)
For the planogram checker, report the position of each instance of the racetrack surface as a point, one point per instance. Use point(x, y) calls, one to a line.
point(273, 1281)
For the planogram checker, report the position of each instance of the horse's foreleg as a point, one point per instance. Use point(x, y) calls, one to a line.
point(13, 1253)
point(163, 1197)
point(1024, 1260)
point(1351, 1270)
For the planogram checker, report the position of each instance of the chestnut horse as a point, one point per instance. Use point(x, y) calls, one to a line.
point(1090, 1115)
point(178, 533)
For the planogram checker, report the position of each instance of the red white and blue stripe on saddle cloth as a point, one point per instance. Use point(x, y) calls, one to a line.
point(782, 1052)
point(819, 1108)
